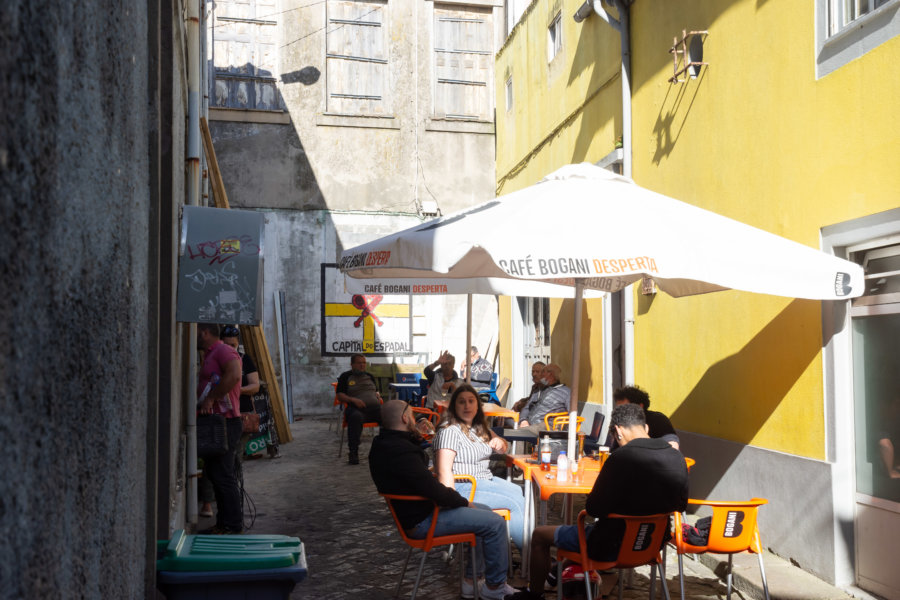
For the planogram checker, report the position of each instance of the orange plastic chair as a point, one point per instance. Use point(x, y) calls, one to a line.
point(641, 545)
point(366, 425)
point(427, 543)
point(733, 529)
point(559, 420)
point(690, 462)
point(503, 512)
point(432, 416)
point(337, 407)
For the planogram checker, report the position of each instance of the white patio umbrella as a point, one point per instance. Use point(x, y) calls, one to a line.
point(586, 227)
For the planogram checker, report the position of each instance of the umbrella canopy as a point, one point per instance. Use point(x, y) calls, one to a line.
point(583, 222)
point(587, 227)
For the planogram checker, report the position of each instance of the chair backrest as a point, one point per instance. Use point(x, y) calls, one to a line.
point(334, 387)
point(643, 539)
point(733, 527)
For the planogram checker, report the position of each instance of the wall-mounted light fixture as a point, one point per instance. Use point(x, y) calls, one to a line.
point(687, 55)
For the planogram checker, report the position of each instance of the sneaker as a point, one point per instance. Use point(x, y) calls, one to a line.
point(498, 593)
point(206, 510)
point(353, 459)
point(551, 580)
point(468, 590)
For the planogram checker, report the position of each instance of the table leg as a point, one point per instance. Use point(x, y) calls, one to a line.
point(528, 525)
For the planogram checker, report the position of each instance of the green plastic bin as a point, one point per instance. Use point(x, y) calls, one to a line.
point(229, 567)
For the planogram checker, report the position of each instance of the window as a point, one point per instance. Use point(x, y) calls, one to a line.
point(843, 12)
point(554, 37)
point(356, 58)
point(509, 94)
point(243, 56)
point(463, 62)
point(847, 29)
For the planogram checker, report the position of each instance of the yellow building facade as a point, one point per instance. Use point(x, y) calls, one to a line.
point(791, 126)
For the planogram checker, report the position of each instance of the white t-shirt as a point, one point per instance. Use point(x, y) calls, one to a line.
point(472, 453)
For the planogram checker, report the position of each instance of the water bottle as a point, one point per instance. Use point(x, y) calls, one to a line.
point(546, 454)
point(562, 467)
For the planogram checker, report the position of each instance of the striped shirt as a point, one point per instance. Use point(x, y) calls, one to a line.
point(472, 453)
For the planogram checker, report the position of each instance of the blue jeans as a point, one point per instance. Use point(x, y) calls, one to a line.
point(490, 534)
point(500, 493)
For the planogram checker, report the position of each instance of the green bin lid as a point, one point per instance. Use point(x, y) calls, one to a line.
point(227, 552)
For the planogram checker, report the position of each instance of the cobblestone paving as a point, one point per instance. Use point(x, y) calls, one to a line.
point(352, 546)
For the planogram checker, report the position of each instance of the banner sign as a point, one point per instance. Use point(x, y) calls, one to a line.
point(374, 324)
point(220, 266)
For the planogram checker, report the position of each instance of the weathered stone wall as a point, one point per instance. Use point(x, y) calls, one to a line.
point(73, 313)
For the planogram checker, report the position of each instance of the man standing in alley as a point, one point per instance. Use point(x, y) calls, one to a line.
point(356, 390)
point(223, 364)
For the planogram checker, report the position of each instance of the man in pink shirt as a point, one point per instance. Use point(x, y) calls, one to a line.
point(222, 367)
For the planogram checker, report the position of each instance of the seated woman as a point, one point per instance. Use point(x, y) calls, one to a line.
point(463, 446)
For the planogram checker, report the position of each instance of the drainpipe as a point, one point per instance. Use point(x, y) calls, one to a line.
point(204, 98)
point(622, 25)
point(192, 24)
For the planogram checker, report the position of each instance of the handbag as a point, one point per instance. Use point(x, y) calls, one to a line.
point(250, 422)
point(212, 438)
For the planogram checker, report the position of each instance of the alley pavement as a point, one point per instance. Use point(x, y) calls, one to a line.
point(353, 549)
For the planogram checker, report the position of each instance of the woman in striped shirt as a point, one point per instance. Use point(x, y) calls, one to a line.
point(463, 446)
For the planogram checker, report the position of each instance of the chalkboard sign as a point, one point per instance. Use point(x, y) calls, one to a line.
point(220, 266)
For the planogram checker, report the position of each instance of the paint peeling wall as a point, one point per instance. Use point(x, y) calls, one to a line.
point(331, 181)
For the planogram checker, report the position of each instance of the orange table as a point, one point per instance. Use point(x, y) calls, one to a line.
point(548, 484)
point(522, 461)
point(493, 410)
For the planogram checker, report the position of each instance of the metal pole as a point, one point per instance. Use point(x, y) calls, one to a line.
point(576, 359)
point(468, 338)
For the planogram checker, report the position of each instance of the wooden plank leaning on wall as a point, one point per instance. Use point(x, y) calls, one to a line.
point(254, 337)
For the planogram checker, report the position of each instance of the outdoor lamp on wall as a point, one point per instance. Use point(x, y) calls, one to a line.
point(687, 55)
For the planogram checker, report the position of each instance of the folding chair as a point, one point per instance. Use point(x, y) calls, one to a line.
point(427, 543)
point(641, 545)
point(733, 529)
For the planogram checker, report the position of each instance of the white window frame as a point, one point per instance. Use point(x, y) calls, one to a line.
point(843, 37)
point(509, 93)
point(554, 37)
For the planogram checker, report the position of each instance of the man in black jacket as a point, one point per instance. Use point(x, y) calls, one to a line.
point(399, 466)
point(645, 476)
point(658, 424)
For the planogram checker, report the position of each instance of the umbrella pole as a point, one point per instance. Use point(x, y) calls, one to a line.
point(468, 338)
point(576, 356)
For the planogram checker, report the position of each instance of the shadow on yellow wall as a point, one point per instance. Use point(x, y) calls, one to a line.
point(737, 396)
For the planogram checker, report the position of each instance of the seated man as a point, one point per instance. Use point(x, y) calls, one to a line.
point(644, 477)
point(481, 370)
point(553, 398)
point(400, 466)
point(442, 382)
point(658, 424)
point(537, 370)
point(356, 390)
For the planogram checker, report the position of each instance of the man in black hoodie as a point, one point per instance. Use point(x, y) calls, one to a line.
point(643, 477)
point(400, 466)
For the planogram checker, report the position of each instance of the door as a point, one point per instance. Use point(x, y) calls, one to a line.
point(535, 333)
point(876, 406)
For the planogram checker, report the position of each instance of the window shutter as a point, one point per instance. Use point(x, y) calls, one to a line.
point(356, 58)
point(463, 58)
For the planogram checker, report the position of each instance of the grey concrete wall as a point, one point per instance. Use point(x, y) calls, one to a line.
point(74, 205)
point(797, 524)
